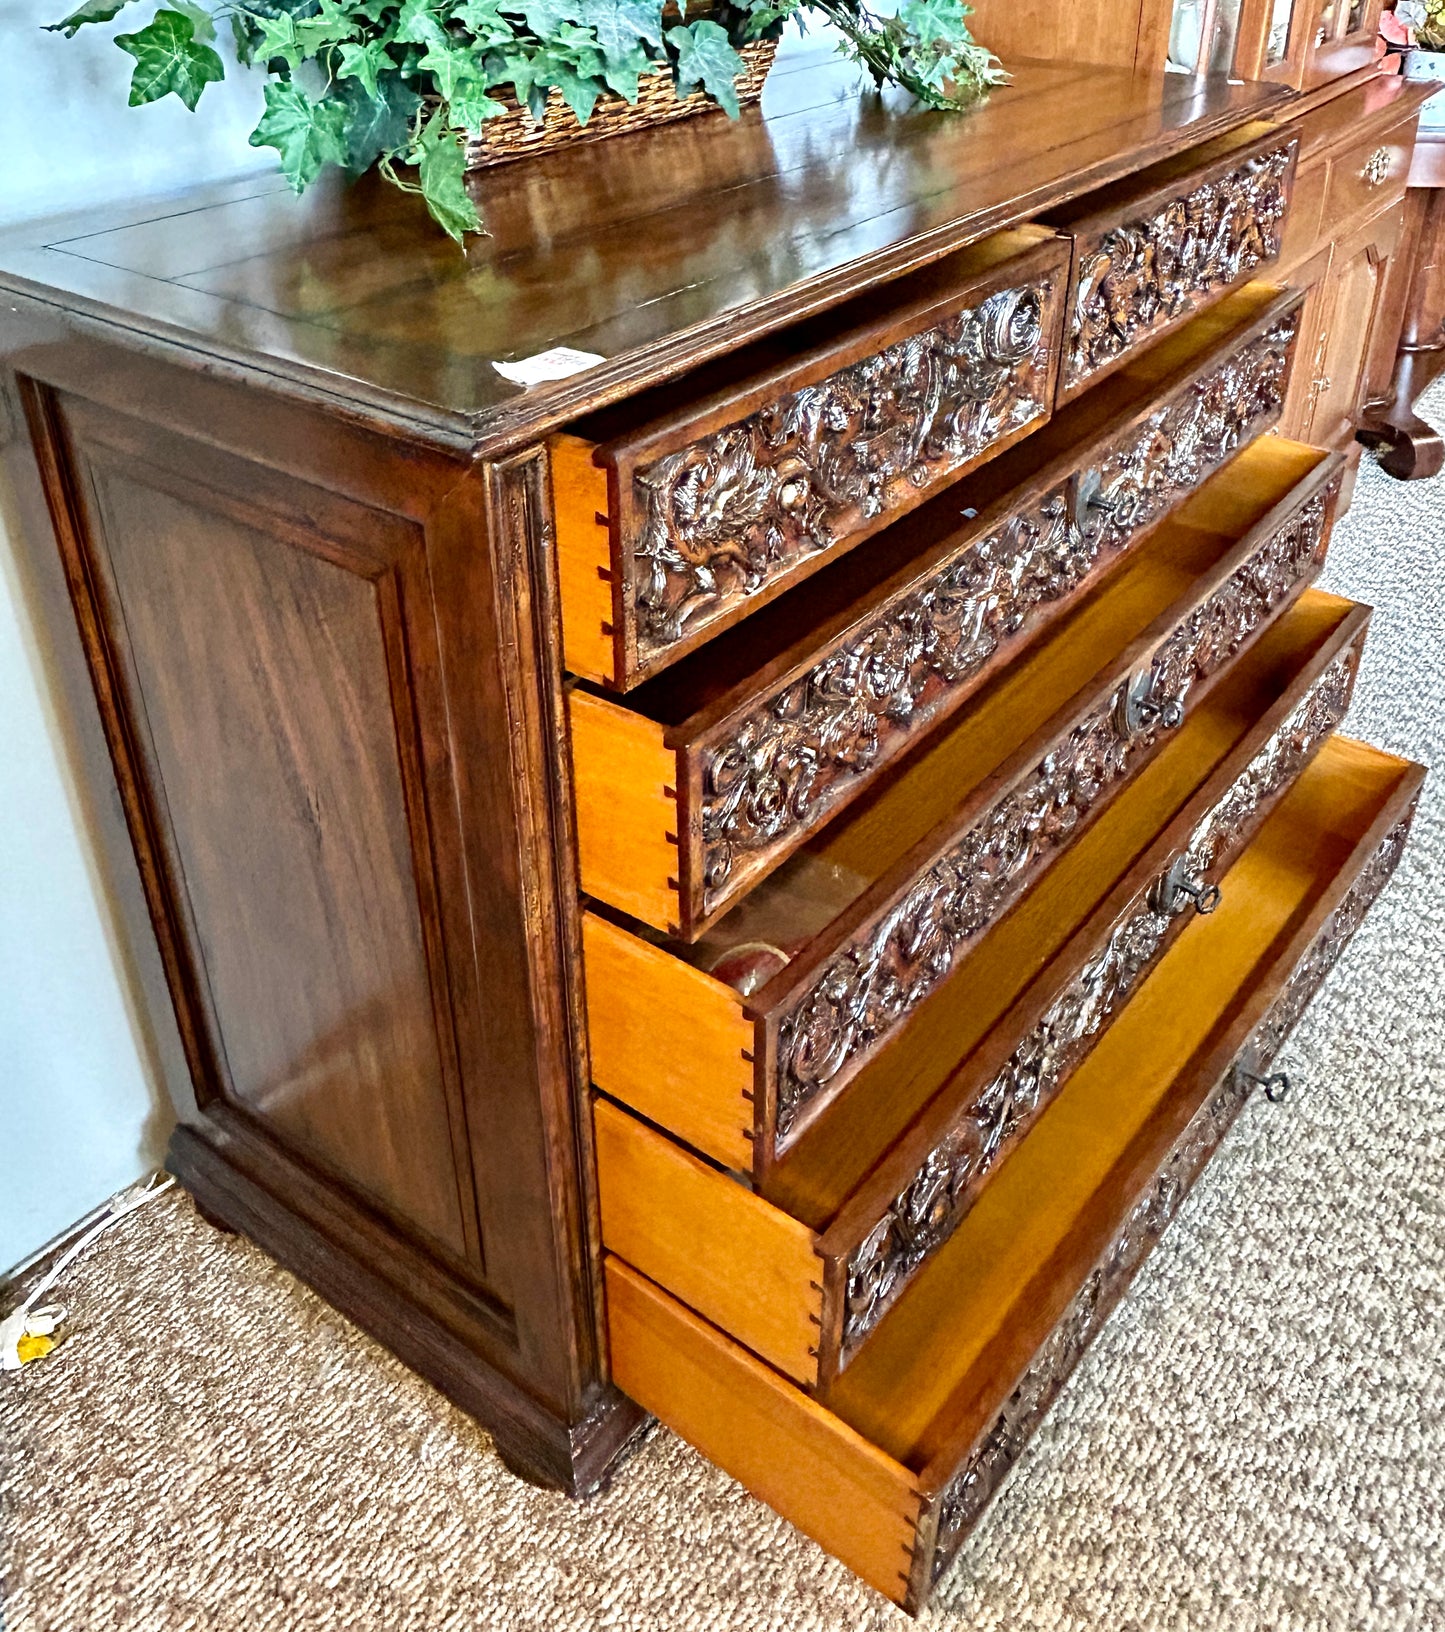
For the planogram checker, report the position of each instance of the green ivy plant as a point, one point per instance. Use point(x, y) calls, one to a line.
point(399, 83)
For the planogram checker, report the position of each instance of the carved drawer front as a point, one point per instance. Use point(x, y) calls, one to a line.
point(728, 491)
point(1158, 247)
point(739, 1041)
point(802, 1269)
point(697, 786)
point(892, 1466)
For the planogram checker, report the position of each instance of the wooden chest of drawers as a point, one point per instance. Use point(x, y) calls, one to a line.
point(745, 884)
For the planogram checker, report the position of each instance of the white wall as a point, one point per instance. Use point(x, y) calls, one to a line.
point(80, 1112)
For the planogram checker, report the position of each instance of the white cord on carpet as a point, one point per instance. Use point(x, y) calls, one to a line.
point(30, 1320)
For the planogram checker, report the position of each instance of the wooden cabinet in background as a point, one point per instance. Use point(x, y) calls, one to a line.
point(1341, 40)
point(1346, 247)
point(1359, 269)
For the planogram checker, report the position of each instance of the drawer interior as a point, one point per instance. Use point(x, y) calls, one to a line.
point(816, 1177)
point(861, 1471)
point(720, 1001)
point(915, 1387)
point(832, 871)
point(771, 1265)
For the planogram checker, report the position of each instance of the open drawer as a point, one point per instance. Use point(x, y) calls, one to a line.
point(1162, 244)
point(737, 1042)
point(701, 782)
point(692, 506)
point(802, 1270)
point(914, 1438)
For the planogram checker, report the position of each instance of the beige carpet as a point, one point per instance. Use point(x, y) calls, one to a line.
point(1257, 1440)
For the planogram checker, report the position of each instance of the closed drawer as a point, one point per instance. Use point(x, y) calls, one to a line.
point(818, 969)
point(692, 509)
point(894, 1466)
point(697, 786)
point(1370, 176)
point(1158, 247)
point(802, 1270)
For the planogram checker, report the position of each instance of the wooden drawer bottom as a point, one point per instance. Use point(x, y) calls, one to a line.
point(892, 1471)
point(804, 1266)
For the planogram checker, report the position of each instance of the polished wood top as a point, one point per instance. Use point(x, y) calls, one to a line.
point(656, 250)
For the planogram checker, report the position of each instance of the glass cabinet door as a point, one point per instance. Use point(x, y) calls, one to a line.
point(1292, 41)
point(1345, 39)
point(1204, 35)
point(1276, 44)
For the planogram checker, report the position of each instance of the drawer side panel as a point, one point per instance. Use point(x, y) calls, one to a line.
point(800, 1459)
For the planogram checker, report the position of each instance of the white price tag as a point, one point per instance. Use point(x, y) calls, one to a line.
point(555, 364)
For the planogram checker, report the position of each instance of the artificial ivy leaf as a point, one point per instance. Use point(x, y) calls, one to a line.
point(306, 134)
point(622, 73)
point(579, 91)
point(545, 17)
point(330, 26)
point(483, 19)
point(762, 16)
point(621, 24)
point(419, 23)
point(930, 21)
point(443, 173)
point(169, 58)
point(705, 57)
point(363, 63)
point(575, 48)
point(376, 126)
point(277, 41)
point(452, 65)
point(518, 68)
point(93, 11)
point(471, 107)
point(202, 22)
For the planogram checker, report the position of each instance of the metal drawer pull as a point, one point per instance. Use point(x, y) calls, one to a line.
point(1178, 887)
point(1377, 168)
point(1090, 501)
point(1276, 1085)
point(1140, 710)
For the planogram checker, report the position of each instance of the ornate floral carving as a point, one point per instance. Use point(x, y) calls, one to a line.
point(735, 510)
point(1183, 442)
point(1145, 273)
point(1324, 951)
point(900, 958)
point(969, 1492)
point(940, 1195)
point(781, 768)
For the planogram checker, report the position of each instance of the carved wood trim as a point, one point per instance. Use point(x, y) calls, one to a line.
point(779, 770)
point(963, 1500)
point(733, 512)
point(1141, 275)
point(942, 1192)
point(901, 955)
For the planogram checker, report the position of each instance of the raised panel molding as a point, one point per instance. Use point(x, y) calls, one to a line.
point(262, 686)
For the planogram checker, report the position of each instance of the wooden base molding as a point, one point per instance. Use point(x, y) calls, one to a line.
point(536, 1443)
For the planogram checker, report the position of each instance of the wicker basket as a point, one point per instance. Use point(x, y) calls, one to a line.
point(516, 135)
